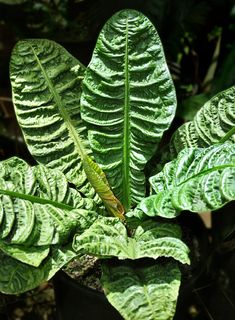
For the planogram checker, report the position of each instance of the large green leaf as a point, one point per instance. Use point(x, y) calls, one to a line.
point(37, 208)
point(198, 180)
point(46, 87)
point(213, 123)
point(108, 237)
point(128, 101)
point(140, 293)
point(17, 277)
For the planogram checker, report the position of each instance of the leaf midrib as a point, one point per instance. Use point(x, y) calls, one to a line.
point(126, 130)
point(72, 132)
point(204, 172)
point(35, 199)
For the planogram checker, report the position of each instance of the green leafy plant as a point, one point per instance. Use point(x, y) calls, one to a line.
point(93, 132)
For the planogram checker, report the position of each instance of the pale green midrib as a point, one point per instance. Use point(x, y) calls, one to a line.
point(72, 132)
point(146, 294)
point(206, 172)
point(35, 199)
point(228, 135)
point(126, 133)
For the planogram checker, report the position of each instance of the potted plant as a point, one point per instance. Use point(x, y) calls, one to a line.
point(95, 132)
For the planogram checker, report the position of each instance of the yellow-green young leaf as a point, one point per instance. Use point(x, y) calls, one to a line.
point(17, 277)
point(46, 88)
point(198, 180)
point(37, 208)
point(128, 101)
point(99, 182)
point(108, 237)
point(213, 123)
point(143, 293)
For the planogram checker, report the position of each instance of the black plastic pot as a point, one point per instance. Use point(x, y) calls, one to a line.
point(77, 302)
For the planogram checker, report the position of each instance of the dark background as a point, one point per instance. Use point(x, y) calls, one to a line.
point(199, 42)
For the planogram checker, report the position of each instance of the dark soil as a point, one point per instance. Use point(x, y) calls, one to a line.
point(38, 304)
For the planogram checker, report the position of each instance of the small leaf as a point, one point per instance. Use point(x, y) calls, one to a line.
point(99, 182)
point(139, 293)
point(198, 180)
point(107, 237)
point(17, 277)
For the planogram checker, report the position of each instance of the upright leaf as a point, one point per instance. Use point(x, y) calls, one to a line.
point(46, 87)
point(128, 101)
point(198, 180)
point(213, 123)
point(139, 293)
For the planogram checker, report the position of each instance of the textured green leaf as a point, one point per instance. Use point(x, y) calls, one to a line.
point(46, 87)
point(108, 237)
point(213, 123)
point(128, 101)
point(198, 180)
point(37, 207)
point(17, 277)
point(143, 293)
point(29, 255)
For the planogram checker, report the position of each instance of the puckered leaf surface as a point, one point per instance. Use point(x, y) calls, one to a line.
point(38, 209)
point(143, 292)
point(46, 87)
point(108, 237)
point(198, 180)
point(213, 123)
point(128, 101)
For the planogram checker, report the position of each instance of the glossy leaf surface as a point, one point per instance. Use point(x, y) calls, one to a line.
point(213, 123)
point(198, 180)
point(128, 101)
point(46, 87)
point(37, 208)
point(108, 237)
point(143, 292)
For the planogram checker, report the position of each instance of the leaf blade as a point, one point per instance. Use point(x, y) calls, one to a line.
point(37, 206)
point(138, 293)
point(17, 277)
point(198, 180)
point(113, 107)
point(213, 123)
point(107, 237)
point(46, 87)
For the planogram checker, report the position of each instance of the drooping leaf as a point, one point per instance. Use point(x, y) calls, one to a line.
point(213, 123)
point(139, 293)
point(38, 209)
point(29, 255)
point(198, 180)
point(46, 87)
point(128, 101)
point(17, 277)
point(108, 237)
